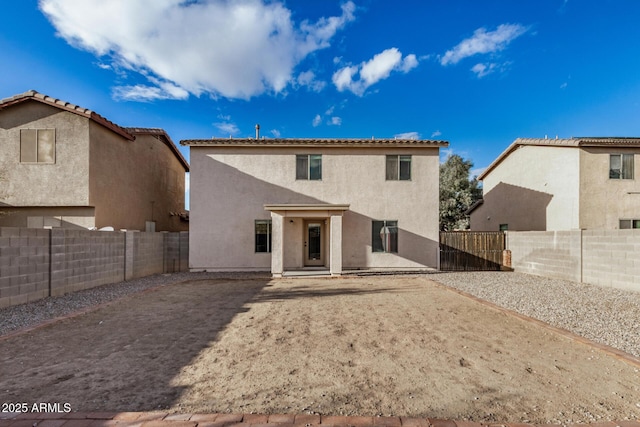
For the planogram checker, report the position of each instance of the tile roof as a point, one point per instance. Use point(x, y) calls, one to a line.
point(127, 133)
point(32, 95)
point(562, 142)
point(313, 142)
point(162, 135)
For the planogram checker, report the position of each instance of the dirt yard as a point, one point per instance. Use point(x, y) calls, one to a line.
point(352, 346)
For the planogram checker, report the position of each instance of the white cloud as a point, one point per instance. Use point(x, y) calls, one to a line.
point(276, 133)
point(227, 128)
point(482, 70)
point(187, 182)
point(316, 120)
point(235, 49)
point(372, 71)
point(149, 93)
point(484, 41)
point(308, 79)
point(407, 135)
point(474, 173)
point(436, 134)
point(335, 121)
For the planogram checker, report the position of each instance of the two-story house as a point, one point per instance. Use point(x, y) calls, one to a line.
point(561, 184)
point(66, 166)
point(333, 204)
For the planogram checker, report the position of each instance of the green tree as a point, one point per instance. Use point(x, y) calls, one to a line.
point(457, 193)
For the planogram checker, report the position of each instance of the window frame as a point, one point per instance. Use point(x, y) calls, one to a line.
point(634, 224)
point(622, 172)
point(376, 228)
point(38, 146)
point(267, 244)
point(310, 173)
point(394, 172)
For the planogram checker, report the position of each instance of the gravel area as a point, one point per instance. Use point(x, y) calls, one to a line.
point(30, 314)
point(605, 315)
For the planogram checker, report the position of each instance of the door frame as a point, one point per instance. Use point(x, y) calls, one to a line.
point(305, 246)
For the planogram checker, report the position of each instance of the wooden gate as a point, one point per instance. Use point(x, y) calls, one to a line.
point(471, 250)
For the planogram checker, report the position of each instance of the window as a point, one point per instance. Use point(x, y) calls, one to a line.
point(398, 168)
point(621, 166)
point(37, 145)
point(263, 235)
point(309, 166)
point(629, 223)
point(384, 236)
point(504, 227)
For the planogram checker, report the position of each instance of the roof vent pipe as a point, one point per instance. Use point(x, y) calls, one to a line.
point(257, 131)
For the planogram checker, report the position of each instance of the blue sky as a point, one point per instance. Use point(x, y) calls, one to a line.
point(475, 73)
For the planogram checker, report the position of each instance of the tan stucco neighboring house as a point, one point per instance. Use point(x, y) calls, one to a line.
point(66, 166)
point(561, 184)
point(288, 204)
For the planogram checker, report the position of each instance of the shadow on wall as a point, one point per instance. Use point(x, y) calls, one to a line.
point(24, 113)
point(242, 192)
point(29, 217)
point(520, 208)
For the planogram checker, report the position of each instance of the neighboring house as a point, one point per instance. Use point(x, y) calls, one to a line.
point(66, 166)
point(289, 204)
point(561, 184)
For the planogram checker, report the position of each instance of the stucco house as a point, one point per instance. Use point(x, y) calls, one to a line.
point(331, 204)
point(561, 184)
point(66, 166)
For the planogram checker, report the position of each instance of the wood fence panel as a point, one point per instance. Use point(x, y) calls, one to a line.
point(471, 250)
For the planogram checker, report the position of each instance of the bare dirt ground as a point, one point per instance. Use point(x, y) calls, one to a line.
point(354, 346)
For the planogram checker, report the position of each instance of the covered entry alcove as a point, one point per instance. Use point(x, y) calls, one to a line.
point(306, 236)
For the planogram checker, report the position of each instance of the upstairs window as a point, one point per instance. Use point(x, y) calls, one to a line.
point(621, 166)
point(309, 167)
point(263, 235)
point(37, 145)
point(629, 223)
point(398, 168)
point(384, 236)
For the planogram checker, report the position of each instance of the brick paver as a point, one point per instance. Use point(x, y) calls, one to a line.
point(164, 419)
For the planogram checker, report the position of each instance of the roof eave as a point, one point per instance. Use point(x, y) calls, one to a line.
point(316, 143)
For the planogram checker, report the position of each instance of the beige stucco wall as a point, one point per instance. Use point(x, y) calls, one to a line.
point(534, 188)
point(63, 183)
point(604, 201)
point(231, 185)
point(39, 217)
point(132, 182)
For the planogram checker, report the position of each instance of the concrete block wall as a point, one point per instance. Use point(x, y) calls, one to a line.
point(553, 254)
point(36, 263)
point(599, 257)
point(176, 252)
point(611, 258)
point(84, 259)
point(24, 265)
point(148, 253)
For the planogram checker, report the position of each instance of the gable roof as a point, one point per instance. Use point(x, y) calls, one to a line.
point(161, 135)
point(32, 95)
point(127, 133)
point(313, 142)
point(620, 142)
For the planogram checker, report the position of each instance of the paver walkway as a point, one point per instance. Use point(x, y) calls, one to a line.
point(164, 419)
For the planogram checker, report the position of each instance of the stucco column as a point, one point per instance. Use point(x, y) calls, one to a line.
point(277, 247)
point(335, 253)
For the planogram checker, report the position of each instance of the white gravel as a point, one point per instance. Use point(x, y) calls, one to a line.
point(605, 315)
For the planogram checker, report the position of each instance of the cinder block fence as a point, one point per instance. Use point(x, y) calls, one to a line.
point(599, 257)
point(36, 263)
